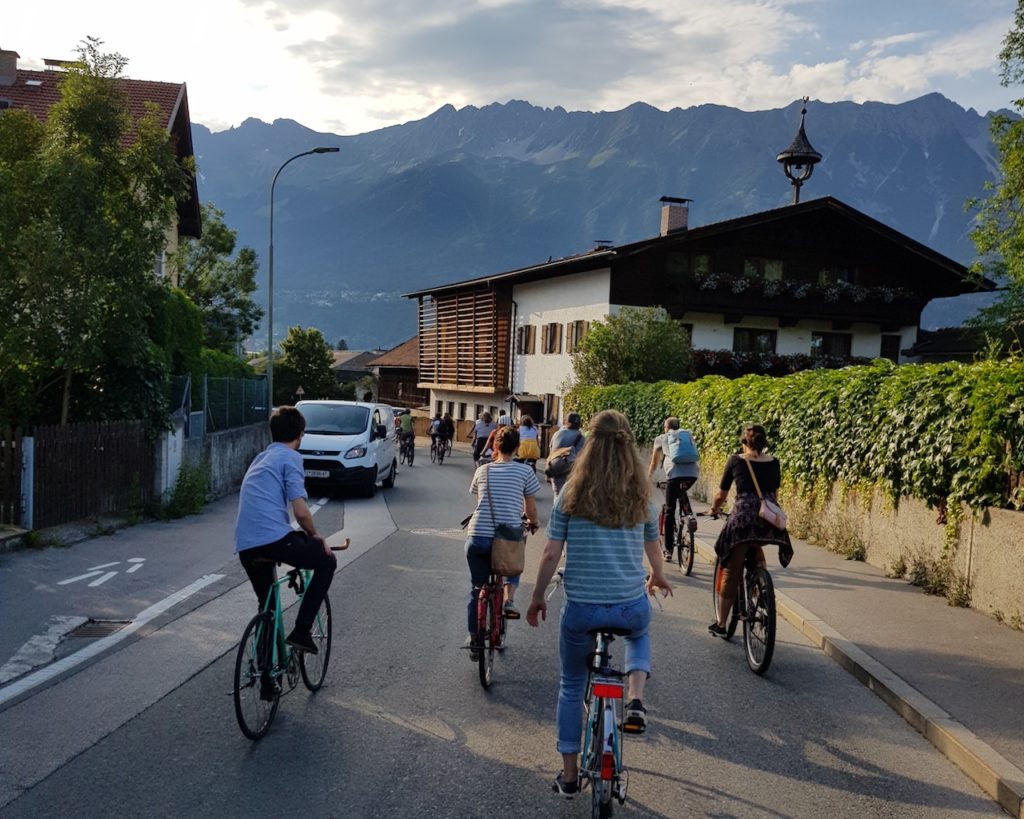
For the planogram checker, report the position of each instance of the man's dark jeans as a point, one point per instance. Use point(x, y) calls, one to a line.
point(675, 492)
point(299, 550)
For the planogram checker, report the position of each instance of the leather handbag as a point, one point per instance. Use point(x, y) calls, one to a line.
point(508, 550)
point(770, 510)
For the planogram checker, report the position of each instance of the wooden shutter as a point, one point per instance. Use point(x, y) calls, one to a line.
point(557, 328)
point(545, 338)
point(569, 337)
point(531, 340)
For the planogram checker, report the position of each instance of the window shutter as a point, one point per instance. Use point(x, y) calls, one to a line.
point(558, 337)
point(569, 337)
point(545, 335)
point(531, 340)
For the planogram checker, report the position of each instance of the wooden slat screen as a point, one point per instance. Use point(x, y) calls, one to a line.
point(464, 339)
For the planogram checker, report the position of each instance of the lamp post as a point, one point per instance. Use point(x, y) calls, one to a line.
point(799, 159)
point(270, 278)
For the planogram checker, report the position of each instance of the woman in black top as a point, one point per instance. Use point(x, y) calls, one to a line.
point(746, 529)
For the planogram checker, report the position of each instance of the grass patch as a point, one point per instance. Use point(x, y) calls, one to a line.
point(189, 495)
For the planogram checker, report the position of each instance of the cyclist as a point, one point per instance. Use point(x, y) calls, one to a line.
point(746, 529)
point(447, 429)
point(263, 533)
point(571, 440)
point(490, 448)
point(679, 478)
point(481, 431)
point(435, 429)
point(529, 447)
point(513, 489)
point(406, 434)
point(606, 523)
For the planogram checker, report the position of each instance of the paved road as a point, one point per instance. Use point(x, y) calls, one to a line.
point(404, 729)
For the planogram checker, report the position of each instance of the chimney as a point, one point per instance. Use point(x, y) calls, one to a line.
point(675, 214)
point(8, 67)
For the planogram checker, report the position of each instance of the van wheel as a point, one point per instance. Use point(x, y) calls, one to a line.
point(371, 487)
point(389, 481)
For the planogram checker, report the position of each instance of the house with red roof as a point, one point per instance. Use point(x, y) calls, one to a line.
point(37, 92)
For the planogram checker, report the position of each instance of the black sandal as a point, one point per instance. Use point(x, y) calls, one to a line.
point(567, 790)
point(636, 718)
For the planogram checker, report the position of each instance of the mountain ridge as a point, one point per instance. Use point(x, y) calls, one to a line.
point(474, 190)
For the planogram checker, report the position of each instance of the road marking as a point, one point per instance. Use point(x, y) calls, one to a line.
point(29, 682)
point(103, 566)
point(136, 560)
point(39, 650)
point(134, 568)
point(101, 580)
point(85, 576)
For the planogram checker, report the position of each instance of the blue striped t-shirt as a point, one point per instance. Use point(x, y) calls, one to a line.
point(602, 564)
point(510, 482)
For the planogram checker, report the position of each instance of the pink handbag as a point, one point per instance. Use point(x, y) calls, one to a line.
point(770, 510)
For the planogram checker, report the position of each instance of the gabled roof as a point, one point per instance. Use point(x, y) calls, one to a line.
point(353, 359)
point(606, 257)
point(406, 354)
point(38, 91)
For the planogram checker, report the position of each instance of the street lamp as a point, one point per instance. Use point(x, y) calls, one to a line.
point(270, 279)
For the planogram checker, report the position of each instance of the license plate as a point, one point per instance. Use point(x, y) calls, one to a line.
point(317, 473)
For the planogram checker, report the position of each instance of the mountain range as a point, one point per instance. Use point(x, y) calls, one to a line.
point(467, 192)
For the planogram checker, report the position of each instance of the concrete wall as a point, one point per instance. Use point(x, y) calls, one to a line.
point(228, 453)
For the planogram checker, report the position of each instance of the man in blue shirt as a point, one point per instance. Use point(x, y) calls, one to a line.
point(264, 534)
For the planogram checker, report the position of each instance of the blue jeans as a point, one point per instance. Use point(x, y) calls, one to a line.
point(478, 555)
point(575, 644)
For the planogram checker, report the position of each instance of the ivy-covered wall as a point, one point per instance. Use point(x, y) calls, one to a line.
point(945, 434)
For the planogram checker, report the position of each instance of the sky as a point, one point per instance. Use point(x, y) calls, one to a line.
point(351, 66)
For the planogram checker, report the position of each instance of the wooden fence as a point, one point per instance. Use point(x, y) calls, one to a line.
point(10, 476)
point(88, 469)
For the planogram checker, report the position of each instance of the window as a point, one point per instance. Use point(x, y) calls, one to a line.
point(158, 265)
point(4, 104)
point(751, 340)
point(837, 345)
point(451, 408)
point(479, 410)
point(462, 410)
point(552, 407)
point(831, 275)
point(551, 338)
point(439, 406)
point(768, 269)
point(574, 332)
point(700, 264)
point(526, 339)
point(494, 413)
point(891, 344)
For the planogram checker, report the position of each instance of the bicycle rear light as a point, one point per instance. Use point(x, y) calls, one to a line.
point(608, 690)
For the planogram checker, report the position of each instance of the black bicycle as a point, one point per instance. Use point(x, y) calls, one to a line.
point(755, 606)
point(439, 447)
point(407, 449)
point(685, 534)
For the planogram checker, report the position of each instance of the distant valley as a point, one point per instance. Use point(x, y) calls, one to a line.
point(468, 192)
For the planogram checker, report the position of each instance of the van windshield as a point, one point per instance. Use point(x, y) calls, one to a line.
point(332, 419)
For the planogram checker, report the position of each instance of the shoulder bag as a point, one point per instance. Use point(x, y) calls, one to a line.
point(769, 510)
point(508, 551)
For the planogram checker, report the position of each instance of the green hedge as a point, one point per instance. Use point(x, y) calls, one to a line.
point(938, 432)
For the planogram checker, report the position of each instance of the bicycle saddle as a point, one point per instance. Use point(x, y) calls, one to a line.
point(618, 632)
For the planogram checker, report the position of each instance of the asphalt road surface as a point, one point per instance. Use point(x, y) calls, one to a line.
point(402, 727)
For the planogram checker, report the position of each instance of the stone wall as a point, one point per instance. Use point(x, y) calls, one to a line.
point(229, 454)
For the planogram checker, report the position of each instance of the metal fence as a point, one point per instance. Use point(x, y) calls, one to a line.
point(209, 404)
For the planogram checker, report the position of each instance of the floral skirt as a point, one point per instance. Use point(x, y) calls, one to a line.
point(529, 449)
point(745, 525)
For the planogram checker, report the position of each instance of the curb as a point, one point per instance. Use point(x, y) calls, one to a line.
point(993, 773)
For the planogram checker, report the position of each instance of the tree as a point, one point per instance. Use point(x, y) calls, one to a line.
point(341, 345)
point(999, 230)
point(219, 285)
point(638, 344)
point(308, 357)
point(82, 218)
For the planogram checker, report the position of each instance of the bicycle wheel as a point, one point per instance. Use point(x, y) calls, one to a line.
point(447, 447)
point(600, 788)
point(433, 453)
point(403, 453)
point(759, 625)
point(412, 452)
point(314, 666)
point(254, 678)
point(716, 587)
point(686, 548)
point(441, 453)
point(484, 638)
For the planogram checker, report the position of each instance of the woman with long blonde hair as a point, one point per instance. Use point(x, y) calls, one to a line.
point(606, 523)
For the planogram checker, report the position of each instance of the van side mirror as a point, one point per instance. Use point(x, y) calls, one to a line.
point(382, 431)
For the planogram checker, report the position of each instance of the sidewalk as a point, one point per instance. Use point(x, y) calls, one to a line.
point(954, 674)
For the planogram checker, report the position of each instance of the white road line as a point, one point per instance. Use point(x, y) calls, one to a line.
point(85, 576)
point(134, 568)
point(136, 560)
point(104, 566)
point(101, 580)
point(29, 682)
point(39, 650)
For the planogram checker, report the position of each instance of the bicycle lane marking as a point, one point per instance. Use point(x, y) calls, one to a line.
point(48, 673)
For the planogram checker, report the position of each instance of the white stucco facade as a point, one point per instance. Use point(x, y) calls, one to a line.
point(579, 297)
point(467, 406)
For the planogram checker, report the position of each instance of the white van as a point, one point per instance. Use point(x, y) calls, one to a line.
point(349, 444)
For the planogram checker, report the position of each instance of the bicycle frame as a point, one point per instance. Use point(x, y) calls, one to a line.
point(494, 589)
point(603, 703)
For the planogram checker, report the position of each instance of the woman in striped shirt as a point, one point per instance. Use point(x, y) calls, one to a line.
point(606, 523)
point(513, 489)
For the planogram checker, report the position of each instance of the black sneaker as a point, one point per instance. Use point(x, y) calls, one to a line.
point(717, 630)
point(268, 688)
point(635, 721)
point(567, 790)
point(474, 648)
point(667, 554)
point(302, 641)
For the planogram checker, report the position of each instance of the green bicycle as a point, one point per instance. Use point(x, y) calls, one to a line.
point(266, 666)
